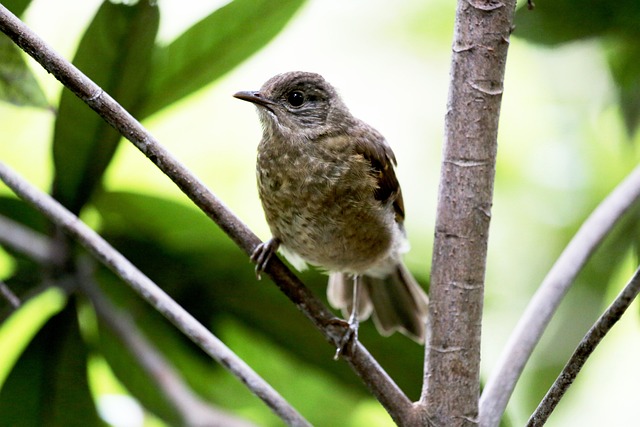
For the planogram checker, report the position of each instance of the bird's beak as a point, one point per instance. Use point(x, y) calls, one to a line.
point(254, 97)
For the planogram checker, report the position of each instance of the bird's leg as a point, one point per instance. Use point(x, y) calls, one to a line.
point(351, 334)
point(262, 254)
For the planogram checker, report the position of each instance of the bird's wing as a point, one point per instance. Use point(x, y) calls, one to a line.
point(373, 147)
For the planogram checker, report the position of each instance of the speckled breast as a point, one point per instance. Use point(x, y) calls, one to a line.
point(320, 204)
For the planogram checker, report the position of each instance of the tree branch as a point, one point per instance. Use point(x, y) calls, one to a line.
point(588, 344)
point(374, 377)
point(150, 292)
point(26, 241)
point(547, 298)
point(7, 294)
point(194, 412)
point(452, 359)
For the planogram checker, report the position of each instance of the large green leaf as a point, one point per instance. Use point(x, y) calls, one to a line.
point(213, 47)
point(560, 21)
point(24, 323)
point(48, 385)
point(17, 84)
point(115, 52)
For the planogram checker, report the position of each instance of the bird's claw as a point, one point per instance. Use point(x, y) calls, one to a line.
point(263, 253)
point(349, 338)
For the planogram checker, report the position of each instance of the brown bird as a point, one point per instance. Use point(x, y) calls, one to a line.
point(331, 198)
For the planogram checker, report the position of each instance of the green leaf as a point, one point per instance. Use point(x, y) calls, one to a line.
point(48, 385)
point(17, 7)
point(17, 84)
point(560, 21)
point(623, 56)
point(23, 324)
point(214, 46)
point(115, 52)
point(19, 211)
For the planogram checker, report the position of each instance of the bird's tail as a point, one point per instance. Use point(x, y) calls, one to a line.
point(397, 302)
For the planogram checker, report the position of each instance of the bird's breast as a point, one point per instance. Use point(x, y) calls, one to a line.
point(321, 205)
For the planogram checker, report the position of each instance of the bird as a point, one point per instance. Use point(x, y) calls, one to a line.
point(331, 198)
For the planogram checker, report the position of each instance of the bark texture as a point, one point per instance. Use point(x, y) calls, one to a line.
point(481, 40)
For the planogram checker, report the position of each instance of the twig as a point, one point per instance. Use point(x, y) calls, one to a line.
point(547, 298)
point(149, 291)
point(480, 45)
point(375, 378)
point(194, 412)
point(6, 292)
point(25, 240)
point(588, 344)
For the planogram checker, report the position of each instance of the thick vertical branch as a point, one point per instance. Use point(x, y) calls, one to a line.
point(481, 40)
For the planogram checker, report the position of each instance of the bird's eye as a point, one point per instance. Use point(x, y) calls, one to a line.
point(295, 98)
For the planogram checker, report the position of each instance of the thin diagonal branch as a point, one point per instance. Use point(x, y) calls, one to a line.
point(25, 240)
point(194, 412)
point(546, 300)
point(375, 378)
point(150, 292)
point(588, 344)
point(7, 294)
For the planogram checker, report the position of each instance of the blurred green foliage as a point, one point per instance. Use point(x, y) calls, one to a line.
point(614, 25)
point(182, 251)
point(553, 22)
point(115, 52)
point(18, 86)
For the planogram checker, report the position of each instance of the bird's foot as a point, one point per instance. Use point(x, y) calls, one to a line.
point(263, 253)
point(350, 337)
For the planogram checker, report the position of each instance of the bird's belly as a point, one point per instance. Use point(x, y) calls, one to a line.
point(323, 209)
point(336, 234)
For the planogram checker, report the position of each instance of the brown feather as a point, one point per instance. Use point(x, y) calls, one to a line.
point(373, 147)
